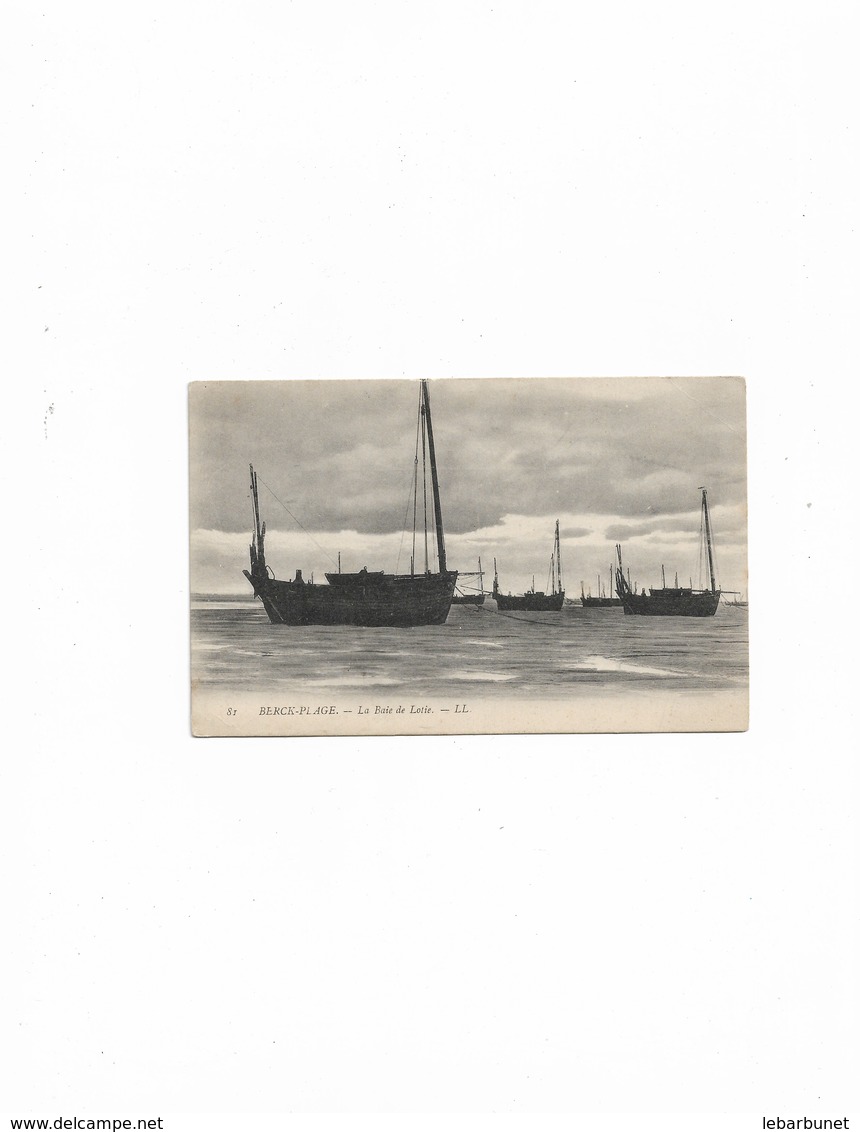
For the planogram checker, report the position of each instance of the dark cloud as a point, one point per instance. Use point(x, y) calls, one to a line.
point(340, 455)
point(730, 522)
point(684, 525)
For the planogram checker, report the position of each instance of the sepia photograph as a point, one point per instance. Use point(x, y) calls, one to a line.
point(460, 556)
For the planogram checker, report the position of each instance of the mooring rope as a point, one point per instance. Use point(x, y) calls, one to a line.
point(528, 620)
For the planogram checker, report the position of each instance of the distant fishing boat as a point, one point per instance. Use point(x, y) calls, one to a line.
point(369, 597)
point(673, 601)
point(461, 597)
point(739, 602)
point(534, 600)
point(601, 601)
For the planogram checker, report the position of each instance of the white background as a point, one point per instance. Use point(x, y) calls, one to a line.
point(642, 924)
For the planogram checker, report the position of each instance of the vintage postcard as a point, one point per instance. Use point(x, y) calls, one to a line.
point(455, 556)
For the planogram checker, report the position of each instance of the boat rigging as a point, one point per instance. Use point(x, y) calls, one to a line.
point(367, 598)
point(673, 601)
point(535, 600)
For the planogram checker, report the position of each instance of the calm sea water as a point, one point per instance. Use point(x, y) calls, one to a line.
point(478, 652)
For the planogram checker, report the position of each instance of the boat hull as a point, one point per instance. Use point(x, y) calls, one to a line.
point(534, 603)
point(394, 600)
point(468, 599)
point(672, 603)
point(600, 602)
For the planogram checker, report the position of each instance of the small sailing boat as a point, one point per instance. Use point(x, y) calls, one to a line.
point(674, 601)
point(740, 602)
point(534, 600)
point(460, 595)
point(601, 601)
point(369, 597)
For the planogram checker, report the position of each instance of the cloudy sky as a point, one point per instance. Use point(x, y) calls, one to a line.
point(613, 459)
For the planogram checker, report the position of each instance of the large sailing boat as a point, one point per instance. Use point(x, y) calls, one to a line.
point(673, 601)
point(602, 601)
point(536, 601)
point(366, 598)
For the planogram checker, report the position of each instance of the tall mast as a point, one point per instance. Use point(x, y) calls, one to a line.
point(258, 557)
point(437, 506)
point(424, 470)
point(255, 502)
point(708, 537)
point(558, 557)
